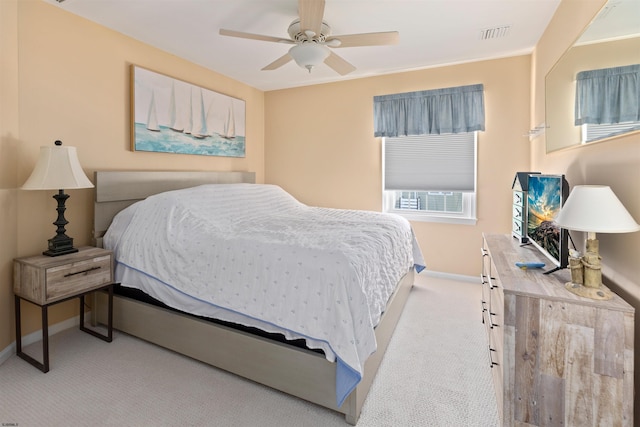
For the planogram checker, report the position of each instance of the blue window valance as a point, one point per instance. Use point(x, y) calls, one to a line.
point(448, 110)
point(608, 95)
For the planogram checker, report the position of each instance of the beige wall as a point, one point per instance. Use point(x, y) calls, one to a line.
point(68, 79)
point(320, 147)
point(560, 86)
point(9, 140)
point(615, 163)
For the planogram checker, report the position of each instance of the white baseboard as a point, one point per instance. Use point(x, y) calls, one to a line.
point(10, 350)
point(451, 276)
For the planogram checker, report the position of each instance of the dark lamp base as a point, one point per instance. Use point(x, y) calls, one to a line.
point(58, 252)
point(61, 244)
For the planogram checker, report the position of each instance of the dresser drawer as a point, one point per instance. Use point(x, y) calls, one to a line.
point(76, 277)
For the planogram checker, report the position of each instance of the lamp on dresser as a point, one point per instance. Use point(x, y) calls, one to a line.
point(593, 209)
point(58, 168)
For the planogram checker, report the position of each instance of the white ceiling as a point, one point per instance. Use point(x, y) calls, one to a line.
point(432, 32)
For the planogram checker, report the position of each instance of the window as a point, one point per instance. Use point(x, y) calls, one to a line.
point(431, 177)
point(595, 132)
point(607, 102)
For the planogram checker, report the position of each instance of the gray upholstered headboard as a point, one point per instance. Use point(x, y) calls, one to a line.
point(115, 190)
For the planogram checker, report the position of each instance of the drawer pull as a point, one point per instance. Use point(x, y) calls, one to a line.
point(491, 324)
point(491, 358)
point(82, 271)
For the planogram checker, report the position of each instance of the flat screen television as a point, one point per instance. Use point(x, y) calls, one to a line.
point(545, 197)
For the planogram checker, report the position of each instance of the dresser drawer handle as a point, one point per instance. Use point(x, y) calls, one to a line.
point(491, 324)
point(491, 357)
point(82, 271)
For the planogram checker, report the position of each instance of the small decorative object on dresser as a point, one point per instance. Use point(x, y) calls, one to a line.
point(520, 187)
point(45, 281)
point(556, 358)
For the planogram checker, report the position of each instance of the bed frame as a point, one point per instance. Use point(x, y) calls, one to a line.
point(299, 372)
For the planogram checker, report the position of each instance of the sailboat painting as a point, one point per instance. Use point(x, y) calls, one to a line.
point(173, 116)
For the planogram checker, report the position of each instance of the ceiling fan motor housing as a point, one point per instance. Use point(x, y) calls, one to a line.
point(296, 33)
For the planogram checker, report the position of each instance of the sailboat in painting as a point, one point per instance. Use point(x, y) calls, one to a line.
point(229, 131)
point(174, 119)
point(199, 129)
point(172, 116)
point(152, 117)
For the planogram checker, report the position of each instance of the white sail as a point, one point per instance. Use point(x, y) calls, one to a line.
point(174, 119)
point(189, 124)
point(152, 117)
point(199, 129)
point(211, 118)
point(230, 125)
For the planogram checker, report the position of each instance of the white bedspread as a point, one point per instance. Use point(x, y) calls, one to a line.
point(253, 255)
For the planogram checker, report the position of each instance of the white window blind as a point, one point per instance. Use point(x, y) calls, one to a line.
point(594, 132)
point(443, 162)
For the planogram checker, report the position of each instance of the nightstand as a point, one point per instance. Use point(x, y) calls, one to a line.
point(45, 281)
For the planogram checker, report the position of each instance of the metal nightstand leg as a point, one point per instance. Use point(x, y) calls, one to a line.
point(44, 366)
point(109, 336)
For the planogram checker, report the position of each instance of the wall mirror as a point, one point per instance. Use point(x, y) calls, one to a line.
point(612, 39)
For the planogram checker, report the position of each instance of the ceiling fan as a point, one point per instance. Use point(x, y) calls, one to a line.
point(312, 38)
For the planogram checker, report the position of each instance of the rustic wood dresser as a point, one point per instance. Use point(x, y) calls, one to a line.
point(556, 358)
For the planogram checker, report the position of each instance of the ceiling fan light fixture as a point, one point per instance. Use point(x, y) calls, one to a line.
point(309, 55)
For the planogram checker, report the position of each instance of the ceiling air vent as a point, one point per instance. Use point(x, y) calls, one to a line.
point(495, 32)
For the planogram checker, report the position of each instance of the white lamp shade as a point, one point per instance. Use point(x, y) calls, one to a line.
point(595, 208)
point(57, 168)
point(309, 55)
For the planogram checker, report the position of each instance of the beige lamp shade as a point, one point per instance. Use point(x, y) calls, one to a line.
point(595, 209)
point(57, 168)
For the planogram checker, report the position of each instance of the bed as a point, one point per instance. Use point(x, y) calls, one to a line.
point(337, 363)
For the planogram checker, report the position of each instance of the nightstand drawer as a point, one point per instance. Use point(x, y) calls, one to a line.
point(43, 280)
point(76, 277)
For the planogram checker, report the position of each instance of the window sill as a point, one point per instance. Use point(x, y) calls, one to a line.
point(436, 218)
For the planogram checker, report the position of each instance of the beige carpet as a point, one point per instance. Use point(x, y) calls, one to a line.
point(435, 373)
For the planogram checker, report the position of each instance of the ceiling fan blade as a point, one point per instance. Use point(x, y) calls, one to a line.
point(338, 64)
point(243, 35)
point(366, 39)
point(278, 62)
point(311, 13)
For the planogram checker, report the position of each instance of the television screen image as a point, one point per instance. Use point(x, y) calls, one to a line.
point(545, 197)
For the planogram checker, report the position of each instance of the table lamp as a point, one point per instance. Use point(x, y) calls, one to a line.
point(58, 168)
point(593, 209)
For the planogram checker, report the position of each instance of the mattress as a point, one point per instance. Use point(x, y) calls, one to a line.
point(253, 255)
